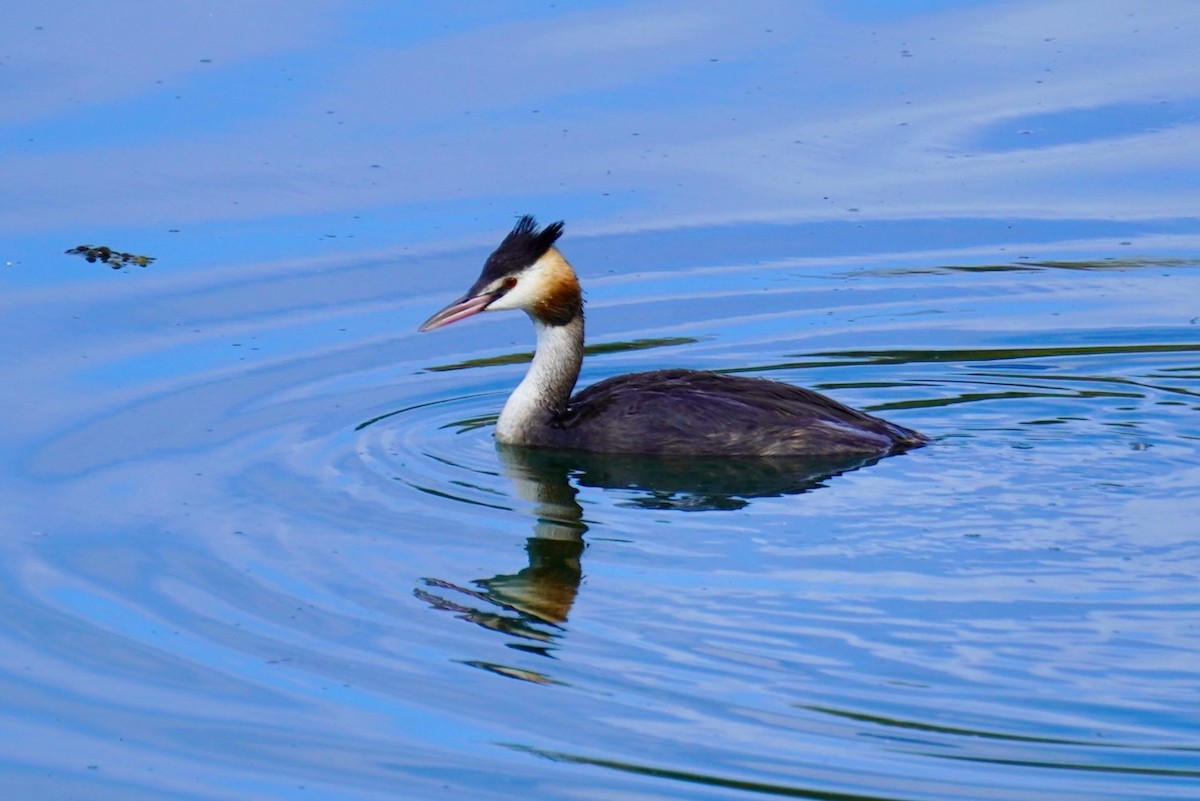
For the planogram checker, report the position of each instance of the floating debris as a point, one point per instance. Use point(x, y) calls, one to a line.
point(113, 258)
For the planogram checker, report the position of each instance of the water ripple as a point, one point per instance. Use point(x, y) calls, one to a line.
point(318, 561)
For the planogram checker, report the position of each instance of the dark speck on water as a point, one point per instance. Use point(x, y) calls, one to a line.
point(114, 259)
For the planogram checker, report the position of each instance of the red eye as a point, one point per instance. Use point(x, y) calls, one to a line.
point(510, 282)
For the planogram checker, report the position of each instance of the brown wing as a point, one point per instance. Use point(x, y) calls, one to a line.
point(693, 412)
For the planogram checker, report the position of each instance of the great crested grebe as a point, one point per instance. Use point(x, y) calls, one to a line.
point(663, 412)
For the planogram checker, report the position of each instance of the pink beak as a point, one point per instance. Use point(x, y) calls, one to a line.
point(461, 309)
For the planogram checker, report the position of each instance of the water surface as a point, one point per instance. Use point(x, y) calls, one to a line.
point(261, 543)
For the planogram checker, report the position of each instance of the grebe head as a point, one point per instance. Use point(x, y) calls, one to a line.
point(526, 272)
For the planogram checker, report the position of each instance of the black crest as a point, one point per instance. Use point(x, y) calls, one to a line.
point(524, 245)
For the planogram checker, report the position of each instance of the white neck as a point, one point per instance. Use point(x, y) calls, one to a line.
point(547, 386)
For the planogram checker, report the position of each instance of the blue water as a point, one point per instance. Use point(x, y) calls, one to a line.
point(260, 541)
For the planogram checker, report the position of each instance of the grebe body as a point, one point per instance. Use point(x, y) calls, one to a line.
point(664, 412)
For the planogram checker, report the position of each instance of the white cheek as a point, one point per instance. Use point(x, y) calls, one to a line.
point(519, 297)
point(534, 283)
